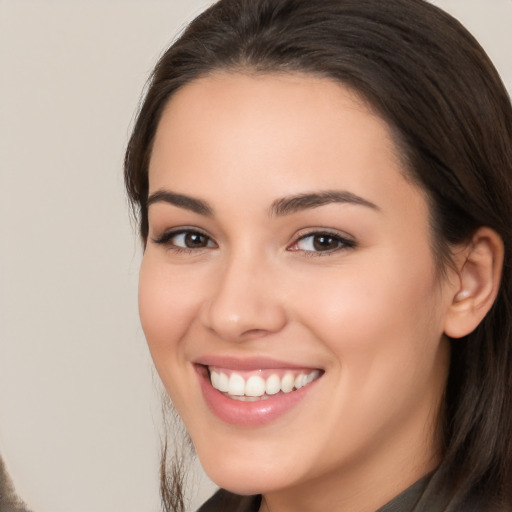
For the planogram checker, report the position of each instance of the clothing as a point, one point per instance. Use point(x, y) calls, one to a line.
point(9, 502)
point(224, 501)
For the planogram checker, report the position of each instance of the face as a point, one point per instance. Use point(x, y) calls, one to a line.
point(289, 261)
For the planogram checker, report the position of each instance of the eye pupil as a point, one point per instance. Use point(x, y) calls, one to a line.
point(194, 240)
point(324, 242)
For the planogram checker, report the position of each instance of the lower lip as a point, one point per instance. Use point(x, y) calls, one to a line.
point(249, 414)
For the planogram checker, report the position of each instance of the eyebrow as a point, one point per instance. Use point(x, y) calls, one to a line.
point(293, 204)
point(181, 201)
point(280, 207)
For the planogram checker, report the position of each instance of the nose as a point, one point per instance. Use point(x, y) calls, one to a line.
point(244, 303)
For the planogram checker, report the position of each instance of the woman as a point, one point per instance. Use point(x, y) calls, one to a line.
point(324, 191)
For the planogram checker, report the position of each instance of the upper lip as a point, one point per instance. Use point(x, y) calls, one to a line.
point(249, 363)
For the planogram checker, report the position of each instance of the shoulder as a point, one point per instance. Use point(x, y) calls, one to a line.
point(225, 501)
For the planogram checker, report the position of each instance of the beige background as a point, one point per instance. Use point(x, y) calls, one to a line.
point(78, 402)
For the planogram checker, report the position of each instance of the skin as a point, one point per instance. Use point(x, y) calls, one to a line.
point(370, 314)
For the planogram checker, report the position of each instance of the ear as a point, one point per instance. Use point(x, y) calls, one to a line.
point(479, 265)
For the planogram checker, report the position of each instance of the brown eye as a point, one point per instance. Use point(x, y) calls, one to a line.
point(322, 242)
point(194, 240)
point(185, 239)
point(325, 242)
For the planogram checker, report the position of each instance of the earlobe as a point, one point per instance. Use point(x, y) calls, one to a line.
point(479, 267)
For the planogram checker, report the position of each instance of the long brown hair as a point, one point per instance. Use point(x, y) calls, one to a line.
point(452, 120)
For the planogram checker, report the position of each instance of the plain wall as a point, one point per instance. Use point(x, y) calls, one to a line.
point(79, 408)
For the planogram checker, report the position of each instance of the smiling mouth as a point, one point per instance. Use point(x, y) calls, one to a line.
point(260, 384)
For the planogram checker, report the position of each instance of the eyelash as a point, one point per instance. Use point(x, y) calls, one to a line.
point(166, 239)
point(343, 243)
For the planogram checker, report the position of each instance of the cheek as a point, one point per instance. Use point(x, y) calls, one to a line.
point(168, 302)
point(168, 306)
point(376, 314)
point(383, 332)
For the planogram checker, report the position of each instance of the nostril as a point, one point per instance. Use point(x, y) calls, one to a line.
point(254, 334)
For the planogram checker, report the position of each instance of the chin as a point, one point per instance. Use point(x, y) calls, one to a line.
point(246, 482)
point(246, 475)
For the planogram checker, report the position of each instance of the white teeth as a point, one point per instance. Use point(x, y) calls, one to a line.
point(236, 384)
point(223, 384)
point(220, 381)
point(256, 387)
point(287, 383)
point(214, 377)
point(312, 376)
point(300, 381)
point(273, 385)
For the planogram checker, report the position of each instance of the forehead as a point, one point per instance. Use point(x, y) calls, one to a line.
point(278, 134)
point(259, 104)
